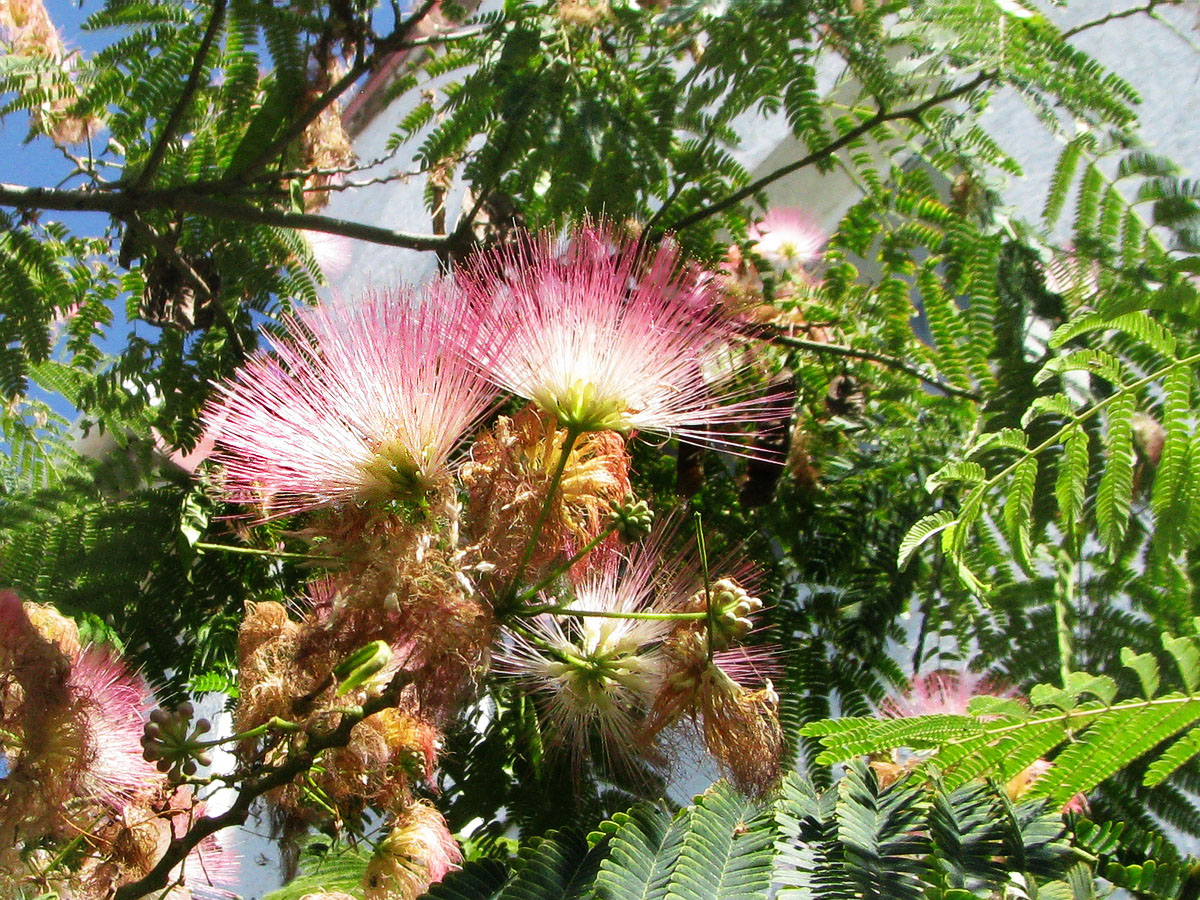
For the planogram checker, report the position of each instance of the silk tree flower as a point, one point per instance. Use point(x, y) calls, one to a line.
point(597, 676)
point(942, 692)
point(418, 851)
point(788, 237)
point(607, 338)
point(728, 697)
point(114, 705)
point(332, 252)
point(359, 402)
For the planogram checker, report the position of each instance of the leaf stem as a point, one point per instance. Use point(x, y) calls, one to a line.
point(773, 336)
point(255, 551)
point(558, 609)
point(159, 150)
point(573, 433)
point(566, 567)
point(1064, 607)
point(880, 117)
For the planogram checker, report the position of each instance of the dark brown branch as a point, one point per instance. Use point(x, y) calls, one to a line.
point(124, 203)
point(912, 113)
point(774, 336)
point(189, 90)
point(297, 763)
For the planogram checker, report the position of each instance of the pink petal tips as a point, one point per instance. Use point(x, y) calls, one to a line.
point(359, 402)
point(606, 337)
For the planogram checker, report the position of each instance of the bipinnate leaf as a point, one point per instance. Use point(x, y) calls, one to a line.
point(922, 531)
point(1115, 492)
point(641, 853)
point(726, 852)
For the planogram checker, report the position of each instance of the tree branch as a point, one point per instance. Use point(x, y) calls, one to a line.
point(298, 762)
point(913, 112)
point(772, 335)
point(189, 90)
point(124, 203)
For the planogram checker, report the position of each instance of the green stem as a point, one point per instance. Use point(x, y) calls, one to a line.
point(62, 854)
point(550, 648)
point(566, 567)
point(573, 434)
point(1119, 390)
point(530, 611)
point(255, 551)
point(709, 613)
point(1064, 606)
point(273, 724)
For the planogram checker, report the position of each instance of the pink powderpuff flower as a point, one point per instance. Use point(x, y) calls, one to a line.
point(418, 852)
point(332, 252)
point(115, 703)
point(359, 402)
point(788, 237)
point(1067, 273)
point(599, 675)
point(212, 869)
point(607, 338)
point(942, 692)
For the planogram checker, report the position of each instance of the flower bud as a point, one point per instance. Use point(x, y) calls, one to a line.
point(633, 520)
point(357, 668)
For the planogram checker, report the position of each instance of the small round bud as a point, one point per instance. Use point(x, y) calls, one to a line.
point(163, 765)
point(185, 710)
point(152, 731)
point(189, 768)
point(160, 716)
point(205, 758)
point(202, 726)
point(151, 752)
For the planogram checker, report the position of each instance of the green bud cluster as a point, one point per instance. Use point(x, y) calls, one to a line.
point(633, 520)
point(176, 744)
point(732, 610)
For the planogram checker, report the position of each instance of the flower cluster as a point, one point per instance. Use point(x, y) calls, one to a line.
point(637, 644)
point(72, 719)
point(462, 553)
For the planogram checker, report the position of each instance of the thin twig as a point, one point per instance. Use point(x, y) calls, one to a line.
point(913, 113)
point(1147, 7)
point(773, 336)
point(189, 90)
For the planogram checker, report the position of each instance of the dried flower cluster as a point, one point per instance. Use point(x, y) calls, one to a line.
point(71, 724)
point(26, 30)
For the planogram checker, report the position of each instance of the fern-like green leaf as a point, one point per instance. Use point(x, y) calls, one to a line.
point(1115, 492)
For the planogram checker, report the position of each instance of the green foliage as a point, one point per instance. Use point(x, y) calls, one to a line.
point(1101, 736)
point(855, 839)
point(999, 493)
